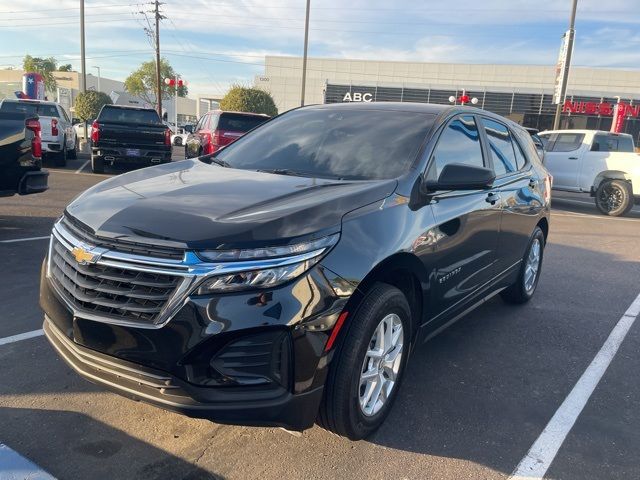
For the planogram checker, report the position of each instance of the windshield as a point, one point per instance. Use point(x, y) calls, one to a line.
point(129, 115)
point(30, 109)
point(349, 144)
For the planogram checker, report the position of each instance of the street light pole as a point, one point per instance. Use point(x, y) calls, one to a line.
point(83, 66)
point(304, 58)
point(565, 74)
point(158, 78)
point(98, 68)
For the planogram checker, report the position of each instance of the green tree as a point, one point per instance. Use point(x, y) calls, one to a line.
point(243, 99)
point(65, 68)
point(142, 82)
point(89, 103)
point(43, 66)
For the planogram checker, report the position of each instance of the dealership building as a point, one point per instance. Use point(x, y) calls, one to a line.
point(521, 92)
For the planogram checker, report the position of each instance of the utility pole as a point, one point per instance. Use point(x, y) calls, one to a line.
point(304, 58)
point(565, 73)
point(83, 66)
point(158, 78)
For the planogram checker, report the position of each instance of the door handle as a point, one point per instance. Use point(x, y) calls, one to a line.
point(492, 198)
point(573, 158)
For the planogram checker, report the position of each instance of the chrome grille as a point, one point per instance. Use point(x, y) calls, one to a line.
point(82, 232)
point(118, 293)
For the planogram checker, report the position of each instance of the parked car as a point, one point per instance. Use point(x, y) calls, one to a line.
point(78, 126)
point(602, 164)
point(217, 129)
point(130, 136)
point(59, 140)
point(287, 278)
point(20, 154)
point(179, 138)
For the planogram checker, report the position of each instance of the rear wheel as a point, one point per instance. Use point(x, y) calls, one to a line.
point(60, 158)
point(97, 164)
point(368, 365)
point(525, 286)
point(73, 153)
point(614, 197)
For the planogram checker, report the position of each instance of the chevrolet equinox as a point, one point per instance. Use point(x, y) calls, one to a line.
point(285, 279)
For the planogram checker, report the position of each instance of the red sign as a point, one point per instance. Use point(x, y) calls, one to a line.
point(605, 108)
point(620, 112)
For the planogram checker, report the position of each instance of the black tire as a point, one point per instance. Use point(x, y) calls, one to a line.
point(518, 293)
point(340, 411)
point(73, 153)
point(614, 197)
point(97, 164)
point(60, 158)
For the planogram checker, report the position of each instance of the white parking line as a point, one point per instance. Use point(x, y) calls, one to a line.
point(14, 466)
point(82, 167)
point(21, 336)
point(27, 239)
point(539, 457)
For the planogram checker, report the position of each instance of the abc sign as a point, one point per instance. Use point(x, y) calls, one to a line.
point(357, 97)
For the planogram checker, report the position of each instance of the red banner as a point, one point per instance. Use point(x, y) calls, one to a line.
point(619, 114)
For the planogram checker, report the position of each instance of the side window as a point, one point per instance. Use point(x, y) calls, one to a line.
point(459, 143)
point(611, 143)
point(500, 146)
point(567, 142)
point(520, 160)
point(64, 114)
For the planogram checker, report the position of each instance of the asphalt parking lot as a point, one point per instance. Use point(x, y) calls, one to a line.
point(474, 401)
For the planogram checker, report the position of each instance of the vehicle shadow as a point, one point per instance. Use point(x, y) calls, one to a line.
point(72, 445)
point(484, 389)
point(583, 204)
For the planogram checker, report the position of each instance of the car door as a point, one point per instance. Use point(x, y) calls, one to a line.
point(517, 185)
point(563, 158)
point(467, 221)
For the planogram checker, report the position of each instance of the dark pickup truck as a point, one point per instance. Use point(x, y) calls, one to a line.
point(20, 155)
point(129, 136)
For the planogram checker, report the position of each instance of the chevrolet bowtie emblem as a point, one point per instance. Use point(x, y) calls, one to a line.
point(84, 257)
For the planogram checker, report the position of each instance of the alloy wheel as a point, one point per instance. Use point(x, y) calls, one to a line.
point(611, 197)
point(381, 365)
point(532, 266)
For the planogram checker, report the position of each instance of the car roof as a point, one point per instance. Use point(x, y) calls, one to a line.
point(248, 114)
point(601, 132)
point(431, 108)
point(128, 107)
point(29, 100)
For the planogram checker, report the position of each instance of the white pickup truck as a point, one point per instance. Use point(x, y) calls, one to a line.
point(59, 140)
point(603, 164)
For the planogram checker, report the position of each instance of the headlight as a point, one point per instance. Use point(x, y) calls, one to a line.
point(263, 267)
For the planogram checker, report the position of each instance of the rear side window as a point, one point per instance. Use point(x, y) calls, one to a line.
point(239, 123)
point(611, 143)
point(30, 109)
point(566, 142)
point(129, 115)
point(459, 143)
point(501, 147)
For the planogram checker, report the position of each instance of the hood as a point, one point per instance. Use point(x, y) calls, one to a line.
point(195, 205)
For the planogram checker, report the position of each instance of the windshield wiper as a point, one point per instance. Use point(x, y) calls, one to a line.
point(282, 171)
point(217, 161)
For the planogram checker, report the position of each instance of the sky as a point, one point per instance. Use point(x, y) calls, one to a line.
point(216, 43)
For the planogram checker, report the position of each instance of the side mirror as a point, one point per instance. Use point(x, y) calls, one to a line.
point(75, 121)
point(458, 176)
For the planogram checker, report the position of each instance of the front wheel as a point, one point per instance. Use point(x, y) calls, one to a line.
point(525, 286)
point(368, 364)
point(614, 197)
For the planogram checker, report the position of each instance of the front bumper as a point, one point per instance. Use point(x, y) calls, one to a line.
point(280, 408)
point(251, 358)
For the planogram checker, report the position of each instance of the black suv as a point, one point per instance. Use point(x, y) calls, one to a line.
point(285, 279)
